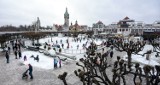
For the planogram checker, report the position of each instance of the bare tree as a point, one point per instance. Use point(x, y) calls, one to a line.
point(129, 47)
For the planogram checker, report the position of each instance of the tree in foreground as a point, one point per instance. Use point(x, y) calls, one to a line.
point(94, 71)
point(130, 48)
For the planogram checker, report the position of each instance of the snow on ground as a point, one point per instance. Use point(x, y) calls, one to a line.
point(72, 44)
point(45, 62)
point(146, 48)
point(142, 59)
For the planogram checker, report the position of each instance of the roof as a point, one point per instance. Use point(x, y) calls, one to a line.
point(126, 18)
point(99, 22)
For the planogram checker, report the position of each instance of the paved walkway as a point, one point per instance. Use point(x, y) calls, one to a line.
point(11, 74)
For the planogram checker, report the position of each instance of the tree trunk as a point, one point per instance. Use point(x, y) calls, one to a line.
point(129, 60)
point(64, 81)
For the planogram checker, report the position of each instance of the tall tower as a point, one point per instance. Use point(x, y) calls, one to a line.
point(38, 24)
point(66, 18)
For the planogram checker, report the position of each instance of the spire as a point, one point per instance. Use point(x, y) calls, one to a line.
point(66, 10)
point(66, 15)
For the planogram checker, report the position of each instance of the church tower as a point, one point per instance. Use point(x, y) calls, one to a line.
point(66, 18)
point(37, 25)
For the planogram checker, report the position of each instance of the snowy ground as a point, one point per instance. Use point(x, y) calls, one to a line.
point(46, 62)
point(72, 44)
point(142, 59)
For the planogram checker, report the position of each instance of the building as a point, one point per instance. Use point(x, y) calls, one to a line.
point(65, 26)
point(66, 21)
point(36, 25)
point(78, 28)
point(126, 27)
point(98, 27)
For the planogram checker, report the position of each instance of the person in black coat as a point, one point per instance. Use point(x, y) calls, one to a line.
point(30, 69)
point(15, 52)
point(111, 54)
point(20, 54)
point(7, 57)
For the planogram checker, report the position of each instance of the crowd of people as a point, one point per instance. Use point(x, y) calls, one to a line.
point(16, 47)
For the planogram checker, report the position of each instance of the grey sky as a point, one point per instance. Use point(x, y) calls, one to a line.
point(86, 12)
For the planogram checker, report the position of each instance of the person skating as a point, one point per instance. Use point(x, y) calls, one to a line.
point(15, 52)
point(59, 63)
point(9, 49)
point(30, 69)
point(77, 47)
point(25, 58)
point(55, 63)
point(7, 56)
point(111, 54)
point(20, 54)
point(62, 45)
point(37, 58)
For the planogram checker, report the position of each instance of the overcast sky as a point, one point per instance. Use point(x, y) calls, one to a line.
point(86, 12)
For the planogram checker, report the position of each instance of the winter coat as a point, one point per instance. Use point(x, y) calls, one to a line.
point(30, 68)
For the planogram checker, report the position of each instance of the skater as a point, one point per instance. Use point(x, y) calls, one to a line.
point(59, 63)
point(9, 50)
point(15, 53)
point(20, 54)
point(77, 47)
point(37, 58)
point(62, 45)
point(7, 56)
point(30, 69)
point(68, 46)
point(25, 58)
point(55, 63)
point(19, 46)
point(56, 42)
point(61, 41)
point(102, 49)
point(111, 53)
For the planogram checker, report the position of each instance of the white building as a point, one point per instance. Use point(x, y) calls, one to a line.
point(98, 27)
point(126, 27)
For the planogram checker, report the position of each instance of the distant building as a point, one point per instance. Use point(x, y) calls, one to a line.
point(98, 27)
point(36, 25)
point(77, 28)
point(66, 21)
point(65, 27)
point(126, 27)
